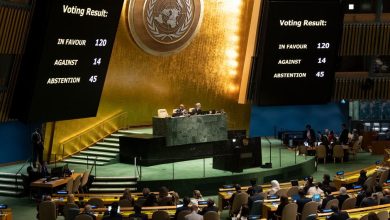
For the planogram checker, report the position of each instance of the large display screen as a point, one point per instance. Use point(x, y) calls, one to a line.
point(67, 57)
point(296, 52)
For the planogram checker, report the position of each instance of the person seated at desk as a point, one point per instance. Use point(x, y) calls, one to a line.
point(185, 207)
point(337, 214)
point(209, 208)
point(256, 196)
point(194, 214)
point(113, 213)
point(327, 184)
point(197, 110)
point(302, 200)
point(180, 111)
point(316, 189)
point(362, 178)
point(197, 196)
point(343, 196)
point(386, 197)
point(138, 215)
point(70, 204)
point(372, 216)
point(274, 187)
point(283, 202)
point(164, 199)
point(327, 197)
point(88, 211)
point(127, 196)
point(370, 200)
point(309, 183)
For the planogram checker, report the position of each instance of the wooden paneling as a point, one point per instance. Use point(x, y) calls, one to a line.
point(348, 87)
point(370, 39)
point(14, 24)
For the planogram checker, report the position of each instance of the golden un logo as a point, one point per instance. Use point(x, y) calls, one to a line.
point(167, 26)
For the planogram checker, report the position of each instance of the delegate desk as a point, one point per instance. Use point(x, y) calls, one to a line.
point(359, 212)
point(126, 211)
point(352, 177)
point(6, 214)
point(225, 194)
point(50, 185)
point(191, 129)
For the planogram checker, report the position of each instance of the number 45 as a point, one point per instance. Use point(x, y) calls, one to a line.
point(93, 79)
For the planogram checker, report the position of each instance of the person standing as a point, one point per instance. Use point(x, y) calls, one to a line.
point(37, 141)
point(343, 139)
point(310, 136)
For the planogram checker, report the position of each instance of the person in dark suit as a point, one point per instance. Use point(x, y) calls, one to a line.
point(386, 197)
point(337, 214)
point(361, 195)
point(88, 211)
point(362, 178)
point(37, 142)
point(186, 202)
point(343, 196)
point(369, 200)
point(197, 110)
point(343, 139)
point(113, 214)
point(180, 111)
point(209, 208)
point(257, 190)
point(137, 213)
point(327, 198)
point(283, 203)
point(310, 135)
point(302, 200)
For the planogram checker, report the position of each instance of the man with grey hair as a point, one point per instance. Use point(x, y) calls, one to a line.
point(88, 211)
point(194, 214)
point(343, 196)
point(197, 110)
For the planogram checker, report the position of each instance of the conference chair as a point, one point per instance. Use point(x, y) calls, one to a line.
point(83, 217)
point(364, 217)
point(160, 215)
point(76, 184)
point(182, 214)
point(98, 202)
point(330, 203)
point(239, 200)
point(292, 191)
point(302, 150)
point(383, 215)
point(349, 203)
point(383, 177)
point(338, 153)
point(69, 186)
point(289, 212)
point(370, 182)
point(281, 192)
point(211, 216)
point(47, 210)
point(355, 148)
point(84, 181)
point(124, 203)
point(67, 209)
point(162, 113)
point(321, 153)
point(308, 209)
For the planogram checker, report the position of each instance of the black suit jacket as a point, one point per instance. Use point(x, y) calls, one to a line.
point(339, 216)
point(301, 202)
point(385, 200)
point(344, 136)
point(341, 199)
point(197, 111)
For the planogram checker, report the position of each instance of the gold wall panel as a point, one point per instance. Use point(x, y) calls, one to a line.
point(207, 71)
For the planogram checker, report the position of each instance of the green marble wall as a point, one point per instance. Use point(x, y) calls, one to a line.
point(191, 129)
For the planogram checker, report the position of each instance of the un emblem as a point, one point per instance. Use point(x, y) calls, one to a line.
point(163, 27)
